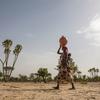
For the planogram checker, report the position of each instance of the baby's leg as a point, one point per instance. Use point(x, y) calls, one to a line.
point(70, 77)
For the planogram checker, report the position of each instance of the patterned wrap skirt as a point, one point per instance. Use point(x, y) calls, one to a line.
point(64, 71)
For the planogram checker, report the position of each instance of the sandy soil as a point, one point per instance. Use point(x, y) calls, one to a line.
point(40, 91)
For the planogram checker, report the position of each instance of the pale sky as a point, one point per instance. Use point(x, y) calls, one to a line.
point(38, 24)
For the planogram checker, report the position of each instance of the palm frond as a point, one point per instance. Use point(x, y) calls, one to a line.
point(17, 49)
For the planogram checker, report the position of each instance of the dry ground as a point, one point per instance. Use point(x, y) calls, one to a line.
point(41, 91)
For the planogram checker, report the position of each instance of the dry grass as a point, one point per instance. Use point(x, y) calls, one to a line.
point(41, 91)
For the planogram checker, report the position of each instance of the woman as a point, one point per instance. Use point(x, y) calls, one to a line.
point(64, 71)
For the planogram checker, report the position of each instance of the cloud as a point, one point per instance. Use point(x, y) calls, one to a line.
point(92, 31)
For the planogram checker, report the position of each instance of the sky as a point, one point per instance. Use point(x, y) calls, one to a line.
point(38, 24)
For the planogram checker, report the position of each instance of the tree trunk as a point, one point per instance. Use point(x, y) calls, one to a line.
point(44, 79)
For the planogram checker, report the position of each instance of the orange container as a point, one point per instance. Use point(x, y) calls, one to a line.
point(63, 41)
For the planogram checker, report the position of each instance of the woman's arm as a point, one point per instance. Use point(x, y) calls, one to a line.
point(58, 52)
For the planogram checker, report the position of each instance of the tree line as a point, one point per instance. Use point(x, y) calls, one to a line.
point(42, 74)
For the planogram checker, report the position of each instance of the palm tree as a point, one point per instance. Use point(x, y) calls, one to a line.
point(7, 70)
point(90, 70)
point(16, 52)
point(94, 72)
point(7, 45)
point(84, 77)
point(97, 71)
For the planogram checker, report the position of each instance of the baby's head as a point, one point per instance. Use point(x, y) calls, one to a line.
point(69, 54)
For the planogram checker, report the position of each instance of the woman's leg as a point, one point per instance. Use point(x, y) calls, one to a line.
point(58, 81)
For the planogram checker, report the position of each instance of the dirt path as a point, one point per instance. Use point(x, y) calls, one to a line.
point(31, 91)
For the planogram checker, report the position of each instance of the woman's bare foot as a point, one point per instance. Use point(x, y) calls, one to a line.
point(56, 87)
